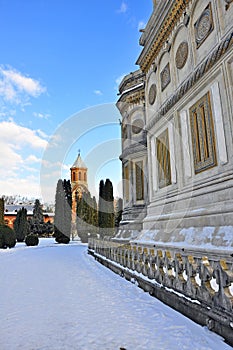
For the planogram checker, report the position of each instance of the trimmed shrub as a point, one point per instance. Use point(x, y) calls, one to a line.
point(32, 240)
point(62, 239)
point(21, 226)
point(7, 237)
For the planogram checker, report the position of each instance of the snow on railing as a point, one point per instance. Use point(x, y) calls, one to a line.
point(195, 274)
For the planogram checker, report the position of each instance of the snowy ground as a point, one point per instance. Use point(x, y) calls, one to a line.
point(56, 297)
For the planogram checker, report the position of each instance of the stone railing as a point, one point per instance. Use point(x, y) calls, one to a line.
point(201, 276)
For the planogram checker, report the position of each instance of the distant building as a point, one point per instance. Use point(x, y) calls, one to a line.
point(11, 210)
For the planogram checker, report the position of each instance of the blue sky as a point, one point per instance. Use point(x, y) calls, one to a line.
point(61, 59)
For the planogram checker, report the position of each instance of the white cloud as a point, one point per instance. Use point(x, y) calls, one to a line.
point(118, 81)
point(17, 88)
point(98, 92)
point(33, 159)
point(123, 8)
point(141, 25)
point(42, 134)
point(41, 115)
point(20, 135)
point(26, 187)
point(19, 171)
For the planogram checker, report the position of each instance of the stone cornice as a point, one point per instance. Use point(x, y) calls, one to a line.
point(150, 52)
point(203, 68)
point(131, 80)
point(133, 149)
point(134, 96)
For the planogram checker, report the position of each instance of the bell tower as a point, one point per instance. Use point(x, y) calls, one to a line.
point(78, 177)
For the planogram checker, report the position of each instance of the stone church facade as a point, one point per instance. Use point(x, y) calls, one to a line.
point(177, 120)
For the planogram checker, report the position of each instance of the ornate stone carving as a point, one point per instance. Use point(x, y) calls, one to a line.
point(181, 55)
point(228, 2)
point(203, 138)
point(167, 27)
point(124, 132)
point(137, 126)
point(165, 77)
point(139, 178)
point(224, 46)
point(204, 26)
point(190, 275)
point(152, 94)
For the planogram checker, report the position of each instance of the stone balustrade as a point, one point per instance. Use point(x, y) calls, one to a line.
point(205, 277)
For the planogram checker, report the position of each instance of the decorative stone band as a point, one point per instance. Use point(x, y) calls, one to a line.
point(172, 18)
point(204, 277)
point(141, 146)
point(228, 3)
point(136, 98)
point(132, 80)
point(211, 60)
point(134, 95)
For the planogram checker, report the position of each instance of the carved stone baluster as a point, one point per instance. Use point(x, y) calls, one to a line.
point(121, 255)
point(144, 262)
point(114, 253)
point(179, 280)
point(133, 258)
point(143, 270)
point(228, 3)
point(169, 278)
point(125, 251)
point(191, 271)
point(159, 274)
point(224, 278)
point(139, 260)
point(129, 258)
point(205, 292)
point(151, 272)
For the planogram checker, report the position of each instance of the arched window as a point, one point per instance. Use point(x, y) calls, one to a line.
point(80, 176)
point(74, 177)
point(85, 177)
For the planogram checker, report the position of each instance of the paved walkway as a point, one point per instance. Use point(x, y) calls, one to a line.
point(56, 297)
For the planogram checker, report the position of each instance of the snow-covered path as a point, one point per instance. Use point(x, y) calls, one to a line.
point(56, 297)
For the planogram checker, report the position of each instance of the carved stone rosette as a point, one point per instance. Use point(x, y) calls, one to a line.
point(228, 2)
point(152, 94)
point(204, 26)
point(165, 77)
point(182, 55)
point(137, 126)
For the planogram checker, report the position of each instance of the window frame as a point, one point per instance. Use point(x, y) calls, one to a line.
point(203, 134)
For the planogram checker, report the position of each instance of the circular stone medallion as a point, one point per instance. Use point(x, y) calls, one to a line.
point(152, 94)
point(137, 126)
point(182, 54)
point(204, 26)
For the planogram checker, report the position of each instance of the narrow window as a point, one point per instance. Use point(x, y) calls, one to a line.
point(203, 138)
point(126, 182)
point(124, 132)
point(74, 177)
point(80, 176)
point(139, 180)
point(163, 157)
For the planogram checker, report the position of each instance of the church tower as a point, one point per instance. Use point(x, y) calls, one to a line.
point(78, 186)
point(79, 176)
